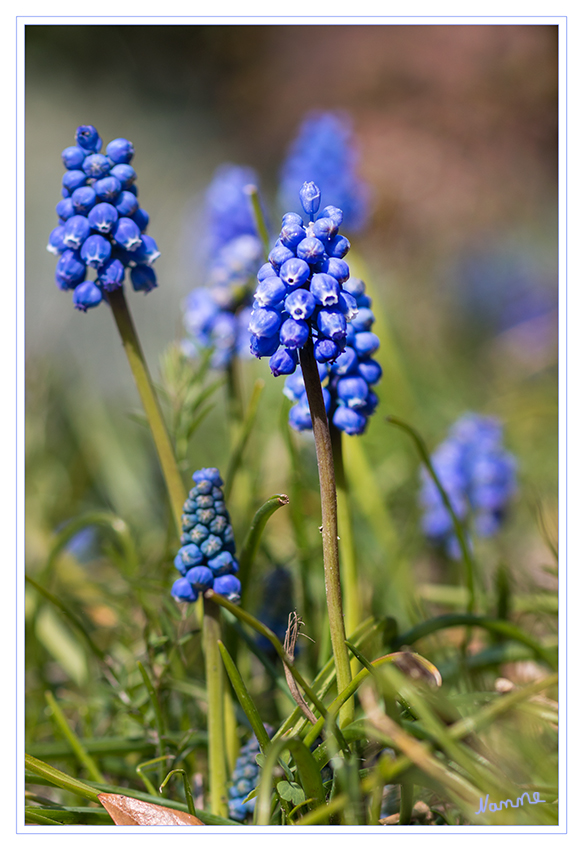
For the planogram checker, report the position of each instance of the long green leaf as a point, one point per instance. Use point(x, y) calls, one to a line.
point(96, 788)
point(244, 698)
point(253, 538)
point(498, 627)
point(81, 815)
point(82, 755)
point(60, 779)
point(245, 617)
point(72, 618)
point(459, 531)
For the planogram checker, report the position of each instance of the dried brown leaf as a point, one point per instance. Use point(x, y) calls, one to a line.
point(127, 811)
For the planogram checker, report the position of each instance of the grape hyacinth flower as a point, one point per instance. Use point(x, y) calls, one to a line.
point(216, 315)
point(324, 152)
point(478, 475)
point(101, 225)
point(305, 292)
point(348, 380)
point(244, 779)
point(206, 559)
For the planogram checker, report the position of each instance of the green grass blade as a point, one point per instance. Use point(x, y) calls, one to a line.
point(244, 698)
point(82, 755)
point(60, 779)
point(72, 618)
point(468, 559)
point(497, 627)
point(253, 538)
point(246, 428)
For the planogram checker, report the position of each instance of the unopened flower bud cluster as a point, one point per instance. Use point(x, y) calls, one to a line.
point(206, 560)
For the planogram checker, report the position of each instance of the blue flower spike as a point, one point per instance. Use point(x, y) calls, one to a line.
point(305, 293)
point(216, 315)
point(101, 225)
point(325, 152)
point(478, 475)
point(206, 559)
point(244, 779)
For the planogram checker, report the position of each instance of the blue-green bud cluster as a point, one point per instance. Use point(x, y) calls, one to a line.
point(244, 779)
point(206, 559)
point(101, 225)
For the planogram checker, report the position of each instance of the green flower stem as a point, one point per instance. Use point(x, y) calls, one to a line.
point(251, 190)
point(460, 534)
point(177, 495)
point(406, 804)
point(329, 524)
point(187, 791)
point(351, 596)
point(234, 399)
point(216, 717)
point(160, 726)
point(133, 350)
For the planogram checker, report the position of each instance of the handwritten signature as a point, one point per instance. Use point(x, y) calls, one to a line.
point(519, 802)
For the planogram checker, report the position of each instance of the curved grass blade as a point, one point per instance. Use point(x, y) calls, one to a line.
point(72, 618)
point(462, 539)
point(82, 755)
point(253, 538)
point(245, 617)
point(244, 698)
point(187, 791)
point(113, 523)
point(498, 627)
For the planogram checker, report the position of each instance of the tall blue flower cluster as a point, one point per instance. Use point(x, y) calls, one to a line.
point(348, 380)
point(478, 475)
point(244, 779)
point(305, 293)
point(216, 315)
point(324, 152)
point(101, 224)
point(206, 559)
point(300, 296)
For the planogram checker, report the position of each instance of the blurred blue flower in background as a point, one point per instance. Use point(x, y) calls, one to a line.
point(478, 475)
point(508, 291)
point(216, 315)
point(277, 604)
point(325, 153)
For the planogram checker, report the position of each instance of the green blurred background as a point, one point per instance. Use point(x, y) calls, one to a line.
point(457, 132)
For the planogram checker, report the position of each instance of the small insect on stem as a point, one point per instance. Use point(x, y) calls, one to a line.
point(289, 644)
